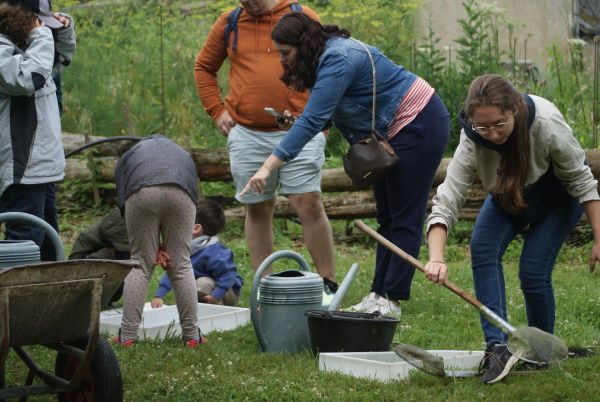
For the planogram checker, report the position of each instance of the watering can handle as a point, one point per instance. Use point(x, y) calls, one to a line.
point(257, 277)
point(34, 220)
point(343, 289)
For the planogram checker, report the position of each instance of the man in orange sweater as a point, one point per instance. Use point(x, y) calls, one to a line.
point(252, 134)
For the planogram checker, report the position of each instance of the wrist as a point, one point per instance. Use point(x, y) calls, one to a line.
point(272, 163)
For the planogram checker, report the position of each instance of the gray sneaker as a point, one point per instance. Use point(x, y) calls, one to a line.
point(499, 364)
point(366, 304)
point(386, 307)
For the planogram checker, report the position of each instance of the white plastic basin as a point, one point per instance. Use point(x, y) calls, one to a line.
point(163, 322)
point(388, 366)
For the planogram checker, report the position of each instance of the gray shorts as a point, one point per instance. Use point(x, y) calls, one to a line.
point(248, 150)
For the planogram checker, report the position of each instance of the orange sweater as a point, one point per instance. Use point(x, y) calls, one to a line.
point(255, 70)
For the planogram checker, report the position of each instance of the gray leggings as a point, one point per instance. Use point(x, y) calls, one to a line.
point(152, 212)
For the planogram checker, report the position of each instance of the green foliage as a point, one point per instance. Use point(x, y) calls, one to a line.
point(386, 24)
point(133, 69)
point(567, 81)
point(570, 86)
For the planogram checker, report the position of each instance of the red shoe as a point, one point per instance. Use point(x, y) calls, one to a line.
point(127, 343)
point(194, 343)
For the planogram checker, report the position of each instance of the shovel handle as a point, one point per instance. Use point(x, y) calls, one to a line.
point(416, 263)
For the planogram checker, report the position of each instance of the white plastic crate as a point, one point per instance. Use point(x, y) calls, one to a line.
point(388, 366)
point(163, 322)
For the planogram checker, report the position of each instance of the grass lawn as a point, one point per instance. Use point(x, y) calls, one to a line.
point(231, 367)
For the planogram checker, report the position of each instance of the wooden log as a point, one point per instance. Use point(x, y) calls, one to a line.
point(359, 204)
point(213, 165)
point(78, 169)
point(116, 148)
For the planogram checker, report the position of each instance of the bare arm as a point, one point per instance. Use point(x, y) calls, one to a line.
point(436, 269)
point(258, 182)
point(592, 211)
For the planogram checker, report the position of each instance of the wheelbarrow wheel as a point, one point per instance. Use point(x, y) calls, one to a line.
point(102, 379)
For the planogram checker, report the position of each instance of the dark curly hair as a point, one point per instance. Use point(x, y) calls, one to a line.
point(16, 22)
point(309, 37)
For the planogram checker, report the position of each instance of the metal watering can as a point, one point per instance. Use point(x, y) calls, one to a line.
point(280, 324)
point(23, 252)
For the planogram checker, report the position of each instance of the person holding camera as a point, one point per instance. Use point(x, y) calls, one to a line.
point(31, 151)
point(243, 35)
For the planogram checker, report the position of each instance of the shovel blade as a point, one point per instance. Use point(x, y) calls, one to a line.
point(536, 346)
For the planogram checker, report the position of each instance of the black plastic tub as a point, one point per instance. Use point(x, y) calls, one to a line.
point(346, 331)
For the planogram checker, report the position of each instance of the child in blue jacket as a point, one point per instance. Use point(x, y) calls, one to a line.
point(216, 275)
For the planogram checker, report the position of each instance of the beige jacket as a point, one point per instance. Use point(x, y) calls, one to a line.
point(551, 141)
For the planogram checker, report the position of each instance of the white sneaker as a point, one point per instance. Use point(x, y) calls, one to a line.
point(327, 299)
point(366, 303)
point(386, 307)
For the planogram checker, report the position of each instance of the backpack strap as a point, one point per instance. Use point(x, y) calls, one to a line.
point(232, 20)
point(232, 26)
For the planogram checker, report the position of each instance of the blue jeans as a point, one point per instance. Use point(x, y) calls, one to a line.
point(34, 199)
point(494, 229)
point(401, 196)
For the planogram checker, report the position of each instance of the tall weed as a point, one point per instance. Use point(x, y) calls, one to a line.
point(566, 81)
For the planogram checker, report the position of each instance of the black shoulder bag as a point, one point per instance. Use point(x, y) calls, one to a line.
point(370, 158)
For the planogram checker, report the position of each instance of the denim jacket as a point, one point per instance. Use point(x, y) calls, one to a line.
point(343, 94)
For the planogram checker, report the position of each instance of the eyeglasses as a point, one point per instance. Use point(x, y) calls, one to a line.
point(485, 130)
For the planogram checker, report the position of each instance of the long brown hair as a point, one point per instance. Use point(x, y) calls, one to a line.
point(16, 22)
point(495, 90)
point(309, 37)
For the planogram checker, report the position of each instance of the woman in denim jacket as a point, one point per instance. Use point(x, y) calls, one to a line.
point(338, 72)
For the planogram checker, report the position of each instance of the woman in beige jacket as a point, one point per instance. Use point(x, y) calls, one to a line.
point(526, 156)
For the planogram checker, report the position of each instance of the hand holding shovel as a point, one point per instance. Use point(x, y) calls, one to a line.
point(527, 343)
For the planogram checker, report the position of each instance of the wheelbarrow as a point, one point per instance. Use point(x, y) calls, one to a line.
point(57, 305)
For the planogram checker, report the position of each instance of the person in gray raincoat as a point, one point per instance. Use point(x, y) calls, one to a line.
point(34, 45)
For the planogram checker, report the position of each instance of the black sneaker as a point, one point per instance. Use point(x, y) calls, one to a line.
point(329, 286)
point(500, 363)
point(484, 364)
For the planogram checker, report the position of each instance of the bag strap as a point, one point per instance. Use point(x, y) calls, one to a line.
point(374, 83)
point(232, 20)
point(232, 26)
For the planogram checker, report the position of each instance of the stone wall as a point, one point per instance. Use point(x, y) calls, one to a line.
point(542, 22)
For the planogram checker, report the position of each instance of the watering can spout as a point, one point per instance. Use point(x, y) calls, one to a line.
point(343, 289)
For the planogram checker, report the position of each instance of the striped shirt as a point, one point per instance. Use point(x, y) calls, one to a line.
point(415, 100)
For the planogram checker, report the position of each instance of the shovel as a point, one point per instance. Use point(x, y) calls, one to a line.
point(428, 362)
point(527, 343)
